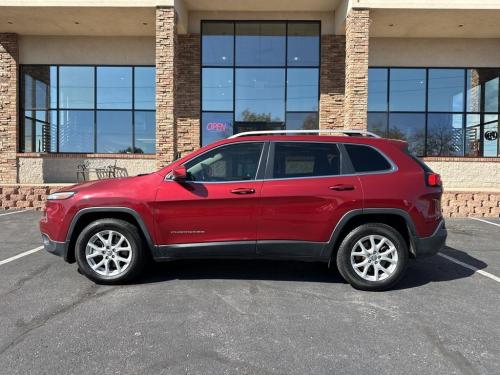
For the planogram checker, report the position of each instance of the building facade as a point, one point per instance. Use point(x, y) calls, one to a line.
point(133, 84)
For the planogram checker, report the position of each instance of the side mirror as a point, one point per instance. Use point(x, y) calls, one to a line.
point(179, 173)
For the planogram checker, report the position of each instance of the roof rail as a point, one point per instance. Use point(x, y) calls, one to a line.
point(335, 131)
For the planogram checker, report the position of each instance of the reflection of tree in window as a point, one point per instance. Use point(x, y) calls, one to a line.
point(443, 140)
point(309, 123)
point(250, 116)
point(131, 150)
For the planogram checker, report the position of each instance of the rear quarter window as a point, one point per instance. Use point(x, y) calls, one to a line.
point(366, 159)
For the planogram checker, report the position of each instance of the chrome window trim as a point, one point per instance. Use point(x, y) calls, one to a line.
point(394, 168)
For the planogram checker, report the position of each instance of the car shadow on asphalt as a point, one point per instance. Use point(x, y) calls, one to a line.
point(420, 271)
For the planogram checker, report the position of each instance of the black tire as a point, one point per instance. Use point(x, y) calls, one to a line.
point(349, 242)
point(130, 232)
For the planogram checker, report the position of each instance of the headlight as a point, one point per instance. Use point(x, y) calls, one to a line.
point(60, 196)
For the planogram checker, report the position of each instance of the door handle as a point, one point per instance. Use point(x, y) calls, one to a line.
point(342, 187)
point(243, 191)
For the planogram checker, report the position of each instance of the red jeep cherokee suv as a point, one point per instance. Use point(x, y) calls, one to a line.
point(361, 202)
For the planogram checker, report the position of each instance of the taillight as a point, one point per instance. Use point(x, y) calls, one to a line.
point(433, 179)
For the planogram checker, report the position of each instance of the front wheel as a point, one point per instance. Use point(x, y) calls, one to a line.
point(110, 251)
point(372, 257)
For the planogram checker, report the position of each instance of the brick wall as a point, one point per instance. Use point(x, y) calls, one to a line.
point(9, 52)
point(356, 69)
point(332, 82)
point(166, 44)
point(187, 97)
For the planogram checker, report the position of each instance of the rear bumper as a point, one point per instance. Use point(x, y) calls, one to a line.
point(428, 246)
point(54, 247)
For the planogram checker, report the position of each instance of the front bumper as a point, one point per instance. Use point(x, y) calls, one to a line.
point(428, 246)
point(54, 247)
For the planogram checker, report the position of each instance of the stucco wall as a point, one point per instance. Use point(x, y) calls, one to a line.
point(470, 175)
point(41, 170)
point(35, 49)
point(446, 52)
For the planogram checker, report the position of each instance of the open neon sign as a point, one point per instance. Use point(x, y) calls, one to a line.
point(216, 126)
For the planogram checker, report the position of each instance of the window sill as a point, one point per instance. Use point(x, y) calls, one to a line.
point(83, 156)
point(456, 158)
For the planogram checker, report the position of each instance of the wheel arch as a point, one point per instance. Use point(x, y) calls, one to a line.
point(394, 217)
point(87, 215)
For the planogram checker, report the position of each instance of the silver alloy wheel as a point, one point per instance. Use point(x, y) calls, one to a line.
point(374, 258)
point(108, 253)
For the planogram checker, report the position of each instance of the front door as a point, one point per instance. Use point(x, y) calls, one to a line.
point(303, 198)
point(217, 203)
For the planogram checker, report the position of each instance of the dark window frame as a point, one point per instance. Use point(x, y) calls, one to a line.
point(234, 66)
point(426, 112)
point(58, 109)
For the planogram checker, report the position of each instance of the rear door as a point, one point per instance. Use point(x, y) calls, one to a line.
point(304, 196)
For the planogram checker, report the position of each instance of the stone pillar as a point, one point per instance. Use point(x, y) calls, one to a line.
point(166, 43)
point(9, 52)
point(356, 69)
point(187, 95)
point(332, 82)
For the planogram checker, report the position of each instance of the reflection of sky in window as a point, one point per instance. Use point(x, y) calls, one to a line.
point(260, 92)
point(377, 89)
point(407, 90)
point(446, 88)
point(302, 90)
point(217, 89)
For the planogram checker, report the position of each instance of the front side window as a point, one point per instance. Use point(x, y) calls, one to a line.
point(302, 159)
point(258, 76)
point(235, 162)
point(88, 109)
point(439, 111)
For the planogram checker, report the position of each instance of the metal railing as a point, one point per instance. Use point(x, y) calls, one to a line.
point(351, 133)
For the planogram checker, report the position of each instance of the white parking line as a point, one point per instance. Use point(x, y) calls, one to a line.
point(477, 270)
point(484, 221)
point(8, 260)
point(15, 212)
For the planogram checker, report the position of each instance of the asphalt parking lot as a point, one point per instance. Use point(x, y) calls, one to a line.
point(258, 317)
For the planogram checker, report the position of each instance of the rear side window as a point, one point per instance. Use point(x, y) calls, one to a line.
point(302, 159)
point(366, 159)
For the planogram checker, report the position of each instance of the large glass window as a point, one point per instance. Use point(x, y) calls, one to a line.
point(260, 44)
point(88, 109)
point(439, 111)
point(260, 95)
point(259, 76)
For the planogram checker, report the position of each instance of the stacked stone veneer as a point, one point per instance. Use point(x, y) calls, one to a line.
point(332, 82)
point(166, 49)
point(9, 52)
point(356, 69)
point(187, 99)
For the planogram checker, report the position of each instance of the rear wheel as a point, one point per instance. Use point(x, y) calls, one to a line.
point(110, 251)
point(372, 257)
